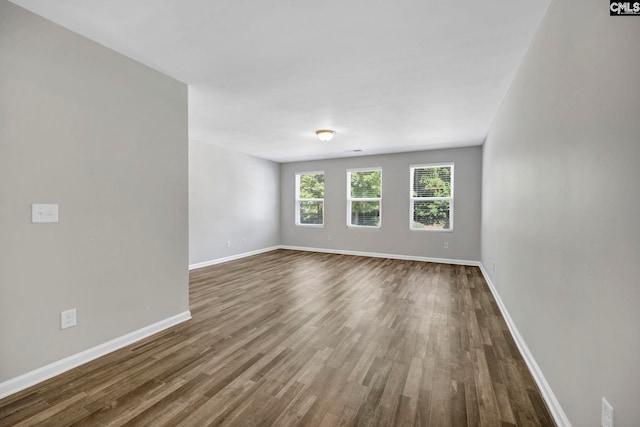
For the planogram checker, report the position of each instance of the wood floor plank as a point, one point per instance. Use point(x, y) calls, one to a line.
point(297, 338)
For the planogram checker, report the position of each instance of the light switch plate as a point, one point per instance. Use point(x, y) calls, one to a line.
point(44, 213)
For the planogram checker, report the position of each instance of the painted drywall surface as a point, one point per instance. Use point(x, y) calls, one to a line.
point(394, 237)
point(106, 139)
point(561, 208)
point(232, 196)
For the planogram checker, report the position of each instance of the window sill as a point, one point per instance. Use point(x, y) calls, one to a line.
point(365, 227)
point(431, 230)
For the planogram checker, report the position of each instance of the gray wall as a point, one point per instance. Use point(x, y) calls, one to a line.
point(232, 196)
point(394, 237)
point(106, 139)
point(561, 208)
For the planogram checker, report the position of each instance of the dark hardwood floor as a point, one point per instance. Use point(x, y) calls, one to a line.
point(298, 338)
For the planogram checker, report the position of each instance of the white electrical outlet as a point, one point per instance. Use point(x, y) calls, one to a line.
point(446, 245)
point(68, 318)
point(228, 243)
point(607, 414)
point(329, 238)
point(244, 240)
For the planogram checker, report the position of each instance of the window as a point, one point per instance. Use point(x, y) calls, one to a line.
point(432, 197)
point(364, 197)
point(310, 199)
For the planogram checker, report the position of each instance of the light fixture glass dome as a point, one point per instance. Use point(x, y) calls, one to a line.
point(325, 135)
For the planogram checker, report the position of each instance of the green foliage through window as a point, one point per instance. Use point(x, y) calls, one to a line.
point(311, 212)
point(366, 184)
point(312, 186)
point(432, 197)
point(310, 198)
point(365, 192)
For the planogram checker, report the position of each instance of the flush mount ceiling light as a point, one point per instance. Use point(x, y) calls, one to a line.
point(325, 135)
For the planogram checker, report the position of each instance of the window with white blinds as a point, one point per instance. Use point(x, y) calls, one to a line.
point(364, 197)
point(432, 197)
point(310, 199)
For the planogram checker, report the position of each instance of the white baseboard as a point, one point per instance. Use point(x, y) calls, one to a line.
point(34, 377)
point(552, 402)
point(231, 258)
point(333, 251)
point(379, 255)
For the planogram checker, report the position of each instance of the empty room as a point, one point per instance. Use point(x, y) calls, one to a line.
point(353, 213)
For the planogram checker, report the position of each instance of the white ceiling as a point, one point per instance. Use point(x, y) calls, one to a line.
point(263, 75)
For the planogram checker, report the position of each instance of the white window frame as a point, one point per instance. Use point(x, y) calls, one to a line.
point(366, 199)
point(414, 199)
point(298, 200)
